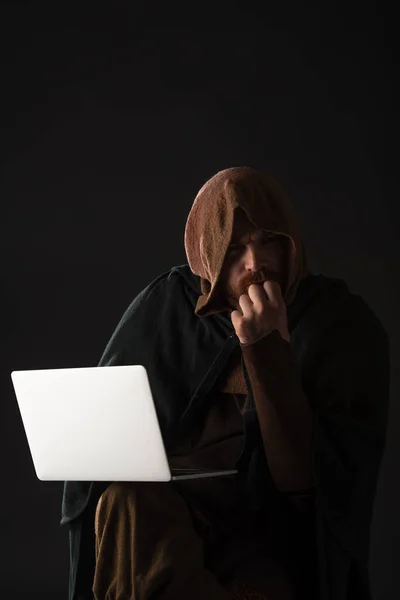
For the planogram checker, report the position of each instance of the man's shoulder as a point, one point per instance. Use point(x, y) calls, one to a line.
point(161, 306)
point(332, 291)
point(338, 305)
point(174, 289)
point(179, 276)
point(325, 285)
point(318, 297)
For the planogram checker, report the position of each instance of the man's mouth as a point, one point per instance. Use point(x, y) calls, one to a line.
point(263, 280)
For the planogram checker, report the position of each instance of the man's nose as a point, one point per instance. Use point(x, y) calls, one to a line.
point(252, 258)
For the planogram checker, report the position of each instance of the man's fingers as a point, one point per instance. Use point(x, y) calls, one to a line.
point(236, 315)
point(257, 294)
point(273, 291)
point(245, 303)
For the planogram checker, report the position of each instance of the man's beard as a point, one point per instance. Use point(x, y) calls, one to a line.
point(235, 290)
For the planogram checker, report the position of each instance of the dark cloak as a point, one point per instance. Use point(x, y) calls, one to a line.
point(343, 353)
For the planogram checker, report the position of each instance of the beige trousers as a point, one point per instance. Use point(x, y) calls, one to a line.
point(147, 548)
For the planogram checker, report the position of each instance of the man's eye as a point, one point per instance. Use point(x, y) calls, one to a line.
point(269, 237)
point(234, 249)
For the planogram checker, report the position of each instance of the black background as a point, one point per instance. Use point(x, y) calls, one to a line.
point(112, 118)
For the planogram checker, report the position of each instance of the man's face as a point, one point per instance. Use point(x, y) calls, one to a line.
point(252, 257)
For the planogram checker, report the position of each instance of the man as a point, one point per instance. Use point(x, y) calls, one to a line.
point(258, 364)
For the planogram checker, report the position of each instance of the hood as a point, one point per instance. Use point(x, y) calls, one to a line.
point(209, 227)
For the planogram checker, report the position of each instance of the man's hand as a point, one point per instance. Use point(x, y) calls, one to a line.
point(263, 309)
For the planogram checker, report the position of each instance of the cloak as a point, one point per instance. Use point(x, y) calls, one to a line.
point(179, 328)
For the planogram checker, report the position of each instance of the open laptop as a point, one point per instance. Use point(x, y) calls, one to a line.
point(95, 424)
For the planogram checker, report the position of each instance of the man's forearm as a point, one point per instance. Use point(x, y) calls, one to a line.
point(285, 417)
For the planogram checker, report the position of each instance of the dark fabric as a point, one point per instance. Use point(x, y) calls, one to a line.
point(343, 353)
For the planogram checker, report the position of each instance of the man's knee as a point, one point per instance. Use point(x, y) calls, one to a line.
point(122, 491)
point(123, 495)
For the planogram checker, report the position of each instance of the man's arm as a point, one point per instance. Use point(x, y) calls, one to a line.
point(349, 396)
point(284, 413)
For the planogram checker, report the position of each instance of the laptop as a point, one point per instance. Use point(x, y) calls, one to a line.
point(95, 424)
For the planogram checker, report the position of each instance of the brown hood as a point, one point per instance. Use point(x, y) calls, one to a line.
point(209, 227)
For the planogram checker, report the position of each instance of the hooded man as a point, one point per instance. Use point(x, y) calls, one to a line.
point(255, 364)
